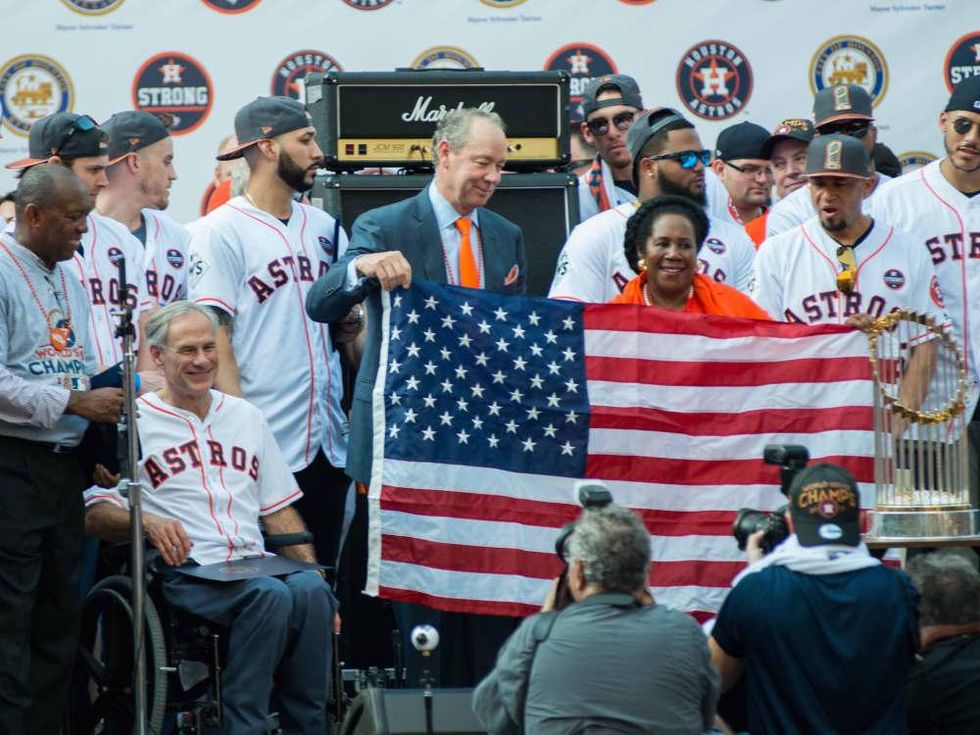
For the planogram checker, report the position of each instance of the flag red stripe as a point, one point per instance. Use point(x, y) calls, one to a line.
point(625, 468)
point(775, 421)
point(710, 374)
point(488, 560)
point(478, 506)
point(618, 318)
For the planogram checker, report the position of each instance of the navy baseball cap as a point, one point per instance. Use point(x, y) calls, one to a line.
point(825, 505)
point(131, 130)
point(966, 96)
point(744, 140)
point(629, 93)
point(841, 102)
point(837, 155)
point(64, 134)
point(263, 119)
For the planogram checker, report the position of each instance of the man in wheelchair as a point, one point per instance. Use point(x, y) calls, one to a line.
point(210, 471)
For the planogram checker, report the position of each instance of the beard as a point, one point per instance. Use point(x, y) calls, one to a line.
point(950, 152)
point(292, 174)
point(669, 187)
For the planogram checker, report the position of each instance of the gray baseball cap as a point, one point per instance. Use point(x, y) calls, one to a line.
point(841, 102)
point(629, 93)
point(132, 130)
point(264, 118)
point(64, 134)
point(837, 155)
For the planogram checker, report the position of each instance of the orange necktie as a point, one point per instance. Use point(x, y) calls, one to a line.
point(468, 274)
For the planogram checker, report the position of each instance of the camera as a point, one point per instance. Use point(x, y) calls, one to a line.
point(590, 495)
point(790, 458)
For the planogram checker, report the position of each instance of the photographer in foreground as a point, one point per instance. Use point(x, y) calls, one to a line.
point(826, 633)
point(613, 660)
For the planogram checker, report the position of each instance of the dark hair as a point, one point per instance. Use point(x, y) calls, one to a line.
point(949, 588)
point(641, 223)
point(44, 186)
point(657, 142)
point(8, 197)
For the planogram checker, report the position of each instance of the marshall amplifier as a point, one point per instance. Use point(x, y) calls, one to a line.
point(368, 119)
point(544, 206)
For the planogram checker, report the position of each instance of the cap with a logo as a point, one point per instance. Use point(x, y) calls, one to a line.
point(265, 118)
point(841, 102)
point(793, 128)
point(629, 93)
point(825, 506)
point(645, 127)
point(837, 155)
point(132, 130)
point(64, 134)
point(743, 140)
point(966, 96)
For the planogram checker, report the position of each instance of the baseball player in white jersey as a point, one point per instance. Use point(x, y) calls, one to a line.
point(210, 469)
point(843, 109)
point(79, 144)
point(667, 159)
point(253, 260)
point(939, 205)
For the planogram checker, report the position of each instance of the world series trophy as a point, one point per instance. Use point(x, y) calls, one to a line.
point(921, 454)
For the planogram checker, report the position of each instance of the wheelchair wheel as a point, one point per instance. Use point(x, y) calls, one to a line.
point(103, 698)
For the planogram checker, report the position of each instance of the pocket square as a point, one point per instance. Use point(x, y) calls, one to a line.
point(512, 275)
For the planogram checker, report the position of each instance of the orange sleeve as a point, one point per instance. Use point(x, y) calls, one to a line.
point(756, 229)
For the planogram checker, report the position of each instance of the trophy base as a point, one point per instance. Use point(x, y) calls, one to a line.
point(940, 525)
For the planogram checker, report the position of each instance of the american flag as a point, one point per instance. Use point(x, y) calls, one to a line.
point(488, 407)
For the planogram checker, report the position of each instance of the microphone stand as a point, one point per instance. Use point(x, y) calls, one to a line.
point(130, 488)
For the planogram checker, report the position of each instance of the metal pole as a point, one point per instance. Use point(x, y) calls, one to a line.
point(131, 489)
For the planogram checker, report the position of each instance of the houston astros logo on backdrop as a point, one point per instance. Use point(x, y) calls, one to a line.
point(963, 60)
point(174, 83)
point(912, 160)
point(32, 86)
point(714, 80)
point(291, 72)
point(445, 57)
point(850, 60)
point(584, 62)
point(503, 3)
point(93, 7)
point(231, 7)
point(368, 4)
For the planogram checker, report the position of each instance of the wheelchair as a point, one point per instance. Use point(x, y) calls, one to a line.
point(184, 657)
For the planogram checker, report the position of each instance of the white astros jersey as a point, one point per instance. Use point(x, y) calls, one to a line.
point(719, 200)
point(592, 265)
point(94, 265)
point(216, 476)
point(252, 266)
point(797, 208)
point(947, 223)
point(164, 260)
point(795, 276)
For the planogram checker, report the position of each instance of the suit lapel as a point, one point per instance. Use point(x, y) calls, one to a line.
point(493, 278)
point(430, 243)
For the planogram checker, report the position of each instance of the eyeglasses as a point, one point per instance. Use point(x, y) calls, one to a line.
point(752, 171)
point(963, 125)
point(846, 278)
point(600, 125)
point(687, 159)
point(851, 128)
point(82, 123)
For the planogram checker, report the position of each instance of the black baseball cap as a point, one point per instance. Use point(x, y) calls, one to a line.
point(837, 155)
point(629, 93)
point(966, 96)
point(743, 140)
point(263, 119)
point(792, 128)
point(65, 134)
point(131, 130)
point(841, 102)
point(647, 125)
point(825, 505)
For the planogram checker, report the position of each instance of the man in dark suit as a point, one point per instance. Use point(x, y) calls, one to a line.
point(442, 234)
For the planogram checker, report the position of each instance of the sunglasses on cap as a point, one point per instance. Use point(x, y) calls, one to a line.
point(963, 125)
point(850, 128)
point(848, 275)
point(82, 123)
point(600, 125)
point(687, 159)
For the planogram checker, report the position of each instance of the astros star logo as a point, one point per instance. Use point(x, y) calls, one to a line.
point(579, 62)
point(172, 72)
point(714, 79)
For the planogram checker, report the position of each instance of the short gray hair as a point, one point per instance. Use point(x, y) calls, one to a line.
point(454, 128)
point(949, 588)
point(158, 325)
point(614, 548)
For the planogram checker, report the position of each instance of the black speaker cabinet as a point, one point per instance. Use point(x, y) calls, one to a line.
point(402, 711)
point(544, 206)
